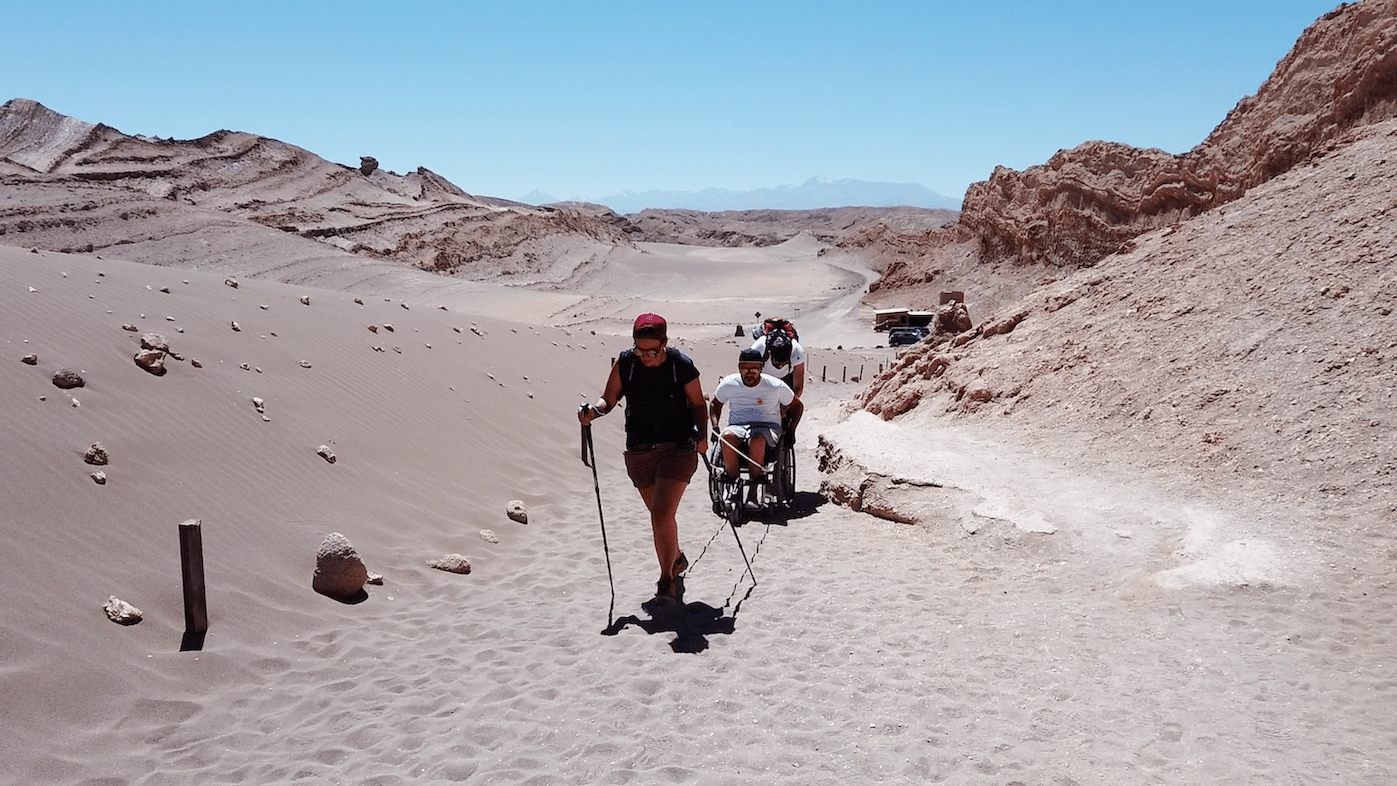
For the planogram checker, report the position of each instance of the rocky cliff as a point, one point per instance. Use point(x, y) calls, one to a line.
point(1093, 200)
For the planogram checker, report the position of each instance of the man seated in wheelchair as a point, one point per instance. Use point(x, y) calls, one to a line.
point(762, 407)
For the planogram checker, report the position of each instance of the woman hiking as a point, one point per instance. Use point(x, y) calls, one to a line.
point(666, 432)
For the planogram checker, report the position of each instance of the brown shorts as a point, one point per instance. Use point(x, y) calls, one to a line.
point(677, 462)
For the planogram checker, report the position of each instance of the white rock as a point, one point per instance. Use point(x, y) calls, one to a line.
point(452, 563)
point(121, 612)
point(517, 512)
point(324, 452)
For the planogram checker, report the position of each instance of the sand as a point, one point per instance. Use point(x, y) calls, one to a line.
point(1057, 622)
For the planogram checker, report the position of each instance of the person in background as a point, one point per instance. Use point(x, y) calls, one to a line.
point(785, 359)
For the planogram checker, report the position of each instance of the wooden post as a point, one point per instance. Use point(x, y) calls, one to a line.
point(822, 373)
point(191, 557)
point(860, 372)
point(844, 376)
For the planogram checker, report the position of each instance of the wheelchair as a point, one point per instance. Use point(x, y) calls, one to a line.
point(729, 497)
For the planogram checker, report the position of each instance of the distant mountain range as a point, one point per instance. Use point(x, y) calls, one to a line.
point(813, 194)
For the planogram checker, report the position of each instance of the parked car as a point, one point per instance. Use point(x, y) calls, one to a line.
point(898, 337)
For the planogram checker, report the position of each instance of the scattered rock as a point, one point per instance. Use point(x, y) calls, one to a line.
point(96, 455)
point(367, 165)
point(324, 452)
point(245, 366)
point(231, 282)
point(151, 360)
point(517, 512)
point(121, 612)
point(259, 404)
point(489, 536)
point(357, 300)
point(67, 379)
point(1005, 325)
point(953, 317)
point(236, 327)
point(375, 578)
point(305, 364)
point(195, 363)
point(305, 300)
point(31, 359)
point(155, 341)
point(452, 563)
point(373, 328)
point(99, 477)
point(979, 392)
point(130, 327)
point(388, 326)
point(339, 572)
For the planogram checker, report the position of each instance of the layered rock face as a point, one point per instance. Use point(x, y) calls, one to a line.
point(86, 187)
point(1090, 201)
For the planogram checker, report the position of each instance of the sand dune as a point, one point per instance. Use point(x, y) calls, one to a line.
point(867, 650)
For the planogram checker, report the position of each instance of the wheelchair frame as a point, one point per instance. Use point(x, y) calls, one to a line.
point(728, 497)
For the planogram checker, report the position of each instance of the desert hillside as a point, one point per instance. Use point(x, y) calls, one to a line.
point(1254, 345)
point(74, 186)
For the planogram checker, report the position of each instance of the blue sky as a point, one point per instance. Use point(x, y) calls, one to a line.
point(586, 99)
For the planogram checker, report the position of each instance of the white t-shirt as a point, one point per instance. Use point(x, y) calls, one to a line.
point(758, 405)
point(797, 358)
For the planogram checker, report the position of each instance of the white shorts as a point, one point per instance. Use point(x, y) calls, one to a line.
point(747, 432)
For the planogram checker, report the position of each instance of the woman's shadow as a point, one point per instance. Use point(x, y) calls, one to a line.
point(692, 623)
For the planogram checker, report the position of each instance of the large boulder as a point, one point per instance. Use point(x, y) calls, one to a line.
point(339, 572)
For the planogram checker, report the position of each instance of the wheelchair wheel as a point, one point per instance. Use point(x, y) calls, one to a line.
point(786, 473)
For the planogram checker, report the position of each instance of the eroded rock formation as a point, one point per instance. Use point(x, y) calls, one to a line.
point(1093, 200)
point(89, 187)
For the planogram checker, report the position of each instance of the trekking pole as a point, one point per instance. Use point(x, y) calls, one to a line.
point(589, 459)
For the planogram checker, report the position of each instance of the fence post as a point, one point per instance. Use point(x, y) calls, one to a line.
point(191, 557)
